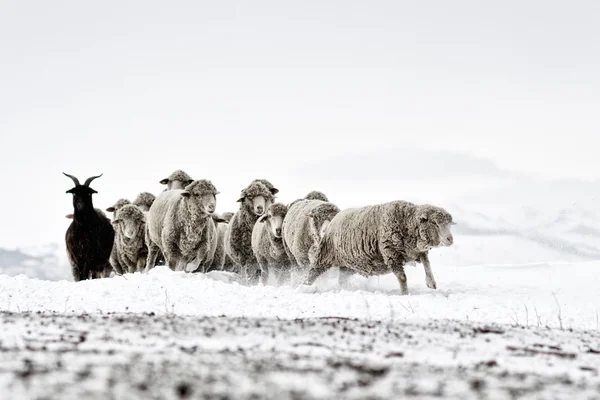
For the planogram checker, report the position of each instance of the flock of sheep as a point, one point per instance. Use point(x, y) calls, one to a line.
point(181, 229)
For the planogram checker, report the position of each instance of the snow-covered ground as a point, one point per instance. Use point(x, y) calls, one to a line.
point(174, 332)
point(130, 356)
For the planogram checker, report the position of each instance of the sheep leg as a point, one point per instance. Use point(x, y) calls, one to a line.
point(252, 272)
point(115, 262)
point(284, 277)
point(152, 254)
point(398, 270)
point(429, 279)
point(141, 262)
point(314, 273)
point(264, 270)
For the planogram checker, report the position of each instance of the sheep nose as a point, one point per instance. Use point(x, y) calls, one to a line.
point(278, 231)
point(450, 239)
point(210, 208)
point(259, 209)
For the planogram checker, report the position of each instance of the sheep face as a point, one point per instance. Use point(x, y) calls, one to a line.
point(129, 228)
point(201, 195)
point(320, 217)
point(129, 221)
point(274, 217)
point(257, 197)
point(434, 225)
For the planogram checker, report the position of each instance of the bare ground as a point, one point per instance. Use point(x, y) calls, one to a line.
point(129, 356)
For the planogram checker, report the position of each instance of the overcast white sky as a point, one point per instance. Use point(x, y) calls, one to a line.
point(233, 90)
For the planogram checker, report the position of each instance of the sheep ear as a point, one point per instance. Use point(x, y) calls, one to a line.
point(452, 223)
point(263, 218)
point(69, 216)
point(240, 200)
point(274, 190)
point(110, 209)
point(185, 193)
point(219, 219)
point(164, 181)
point(70, 190)
point(116, 221)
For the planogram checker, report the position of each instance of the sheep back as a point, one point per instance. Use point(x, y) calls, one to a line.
point(301, 230)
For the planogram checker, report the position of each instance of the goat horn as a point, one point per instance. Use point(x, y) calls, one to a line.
point(75, 180)
point(90, 179)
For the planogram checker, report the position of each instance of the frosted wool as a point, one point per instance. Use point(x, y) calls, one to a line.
point(267, 244)
point(129, 250)
point(302, 229)
point(254, 200)
point(379, 239)
point(179, 224)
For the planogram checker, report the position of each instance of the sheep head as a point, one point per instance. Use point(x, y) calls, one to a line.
point(256, 197)
point(118, 204)
point(316, 195)
point(434, 227)
point(144, 200)
point(177, 180)
point(274, 217)
point(320, 217)
point(268, 184)
point(201, 195)
point(129, 221)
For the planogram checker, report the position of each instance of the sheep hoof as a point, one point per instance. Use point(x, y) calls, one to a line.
point(431, 284)
point(306, 289)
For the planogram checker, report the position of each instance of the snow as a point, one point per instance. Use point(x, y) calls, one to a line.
point(526, 294)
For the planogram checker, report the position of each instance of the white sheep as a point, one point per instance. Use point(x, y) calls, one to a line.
point(129, 250)
point(267, 244)
point(302, 229)
point(179, 224)
point(380, 239)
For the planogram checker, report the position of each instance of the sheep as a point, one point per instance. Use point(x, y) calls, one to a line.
point(144, 200)
point(255, 199)
point(220, 259)
point(379, 239)
point(129, 250)
point(222, 262)
point(177, 180)
point(90, 236)
point(267, 244)
point(118, 204)
point(227, 216)
point(303, 228)
point(179, 224)
point(313, 195)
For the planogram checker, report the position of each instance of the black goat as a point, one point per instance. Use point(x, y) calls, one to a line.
point(90, 236)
